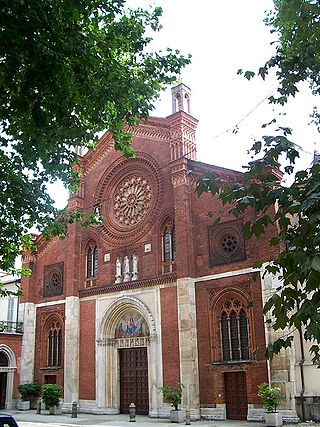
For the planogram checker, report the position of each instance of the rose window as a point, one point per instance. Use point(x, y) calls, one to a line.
point(132, 200)
point(229, 243)
point(55, 280)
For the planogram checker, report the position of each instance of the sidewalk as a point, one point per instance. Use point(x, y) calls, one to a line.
point(31, 419)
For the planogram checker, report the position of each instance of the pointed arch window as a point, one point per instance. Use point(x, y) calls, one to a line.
point(234, 331)
point(92, 261)
point(54, 356)
point(169, 244)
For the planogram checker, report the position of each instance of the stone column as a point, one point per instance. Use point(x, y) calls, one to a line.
point(71, 350)
point(189, 373)
point(155, 372)
point(27, 315)
point(101, 375)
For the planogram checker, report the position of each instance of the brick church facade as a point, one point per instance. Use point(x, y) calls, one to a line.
point(156, 293)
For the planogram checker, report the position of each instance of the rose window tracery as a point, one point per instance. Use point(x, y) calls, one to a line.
point(229, 243)
point(132, 201)
point(130, 196)
point(226, 243)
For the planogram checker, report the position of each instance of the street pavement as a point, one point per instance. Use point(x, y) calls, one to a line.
point(32, 419)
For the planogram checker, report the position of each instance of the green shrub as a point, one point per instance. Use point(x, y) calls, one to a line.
point(29, 390)
point(172, 394)
point(270, 396)
point(51, 394)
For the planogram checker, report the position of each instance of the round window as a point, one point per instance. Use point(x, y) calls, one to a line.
point(55, 280)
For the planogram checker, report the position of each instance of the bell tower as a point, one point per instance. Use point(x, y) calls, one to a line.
point(181, 95)
point(182, 125)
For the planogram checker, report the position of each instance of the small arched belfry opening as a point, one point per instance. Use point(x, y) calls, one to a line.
point(127, 353)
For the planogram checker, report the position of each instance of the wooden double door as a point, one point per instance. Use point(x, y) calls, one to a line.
point(134, 379)
point(235, 388)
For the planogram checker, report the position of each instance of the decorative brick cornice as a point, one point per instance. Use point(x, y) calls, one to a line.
point(186, 171)
point(152, 128)
point(41, 244)
point(181, 174)
point(104, 146)
point(125, 286)
point(200, 168)
point(75, 203)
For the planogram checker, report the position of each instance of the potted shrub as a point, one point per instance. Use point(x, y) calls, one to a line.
point(270, 397)
point(173, 394)
point(29, 393)
point(51, 394)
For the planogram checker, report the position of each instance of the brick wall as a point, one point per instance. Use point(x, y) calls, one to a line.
point(170, 336)
point(87, 367)
point(256, 249)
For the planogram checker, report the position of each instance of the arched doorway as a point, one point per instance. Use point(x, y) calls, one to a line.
point(132, 339)
point(7, 369)
point(4, 363)
point(128, 365)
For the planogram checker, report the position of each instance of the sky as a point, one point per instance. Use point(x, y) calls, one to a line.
point(223, 37)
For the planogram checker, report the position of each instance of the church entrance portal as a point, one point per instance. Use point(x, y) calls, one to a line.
point(134, 379)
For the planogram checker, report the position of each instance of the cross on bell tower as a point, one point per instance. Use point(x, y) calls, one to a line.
point(181, 95)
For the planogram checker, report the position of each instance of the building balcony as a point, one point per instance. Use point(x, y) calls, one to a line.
point(11, 327)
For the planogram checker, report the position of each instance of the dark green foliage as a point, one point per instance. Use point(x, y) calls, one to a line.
point(29, 390)
point(172, 394)
point(51, 394)
point(68, 70)
point(298, 218)
point(297, 215)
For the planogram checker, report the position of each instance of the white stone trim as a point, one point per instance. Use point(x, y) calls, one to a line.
point(231, 273)
point(120, 305)
point(188, 346)
point(108, 311)
point(71, 349)
point(46, 304)
point(27, 315)
point(214, 414)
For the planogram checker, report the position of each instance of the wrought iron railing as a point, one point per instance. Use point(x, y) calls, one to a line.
point(7, 326)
